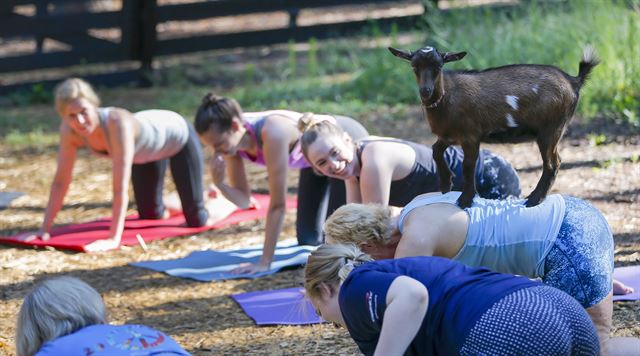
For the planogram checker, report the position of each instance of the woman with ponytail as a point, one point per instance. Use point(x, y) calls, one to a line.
point(435, 306)
point(392, 171)
point(272, 139)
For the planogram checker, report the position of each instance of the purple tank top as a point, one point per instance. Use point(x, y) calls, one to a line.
point(254, 128)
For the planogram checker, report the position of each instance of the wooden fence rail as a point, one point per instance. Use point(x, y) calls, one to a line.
point(133, 35)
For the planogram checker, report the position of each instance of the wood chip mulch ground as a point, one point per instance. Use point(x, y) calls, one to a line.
point(201, 316)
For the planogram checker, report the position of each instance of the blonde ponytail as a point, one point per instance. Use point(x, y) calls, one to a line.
point(311, 128)
point(331, 264)
point(306, 122)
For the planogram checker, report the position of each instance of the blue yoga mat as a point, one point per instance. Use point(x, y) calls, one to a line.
point(278, 307)
point(215, 265)
point(7, 197)
point(630, 276)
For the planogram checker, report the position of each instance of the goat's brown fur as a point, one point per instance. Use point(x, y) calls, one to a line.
point(466, 108)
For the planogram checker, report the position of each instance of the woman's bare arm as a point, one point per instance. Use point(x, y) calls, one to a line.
point(237, 190)
point(121, 138)
point(67, 152)
point(376, 174)
point(407, 303)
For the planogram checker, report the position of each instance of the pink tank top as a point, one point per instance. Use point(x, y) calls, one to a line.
point(254, 127)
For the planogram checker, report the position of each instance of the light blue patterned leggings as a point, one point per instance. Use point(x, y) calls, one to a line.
point(580, 262)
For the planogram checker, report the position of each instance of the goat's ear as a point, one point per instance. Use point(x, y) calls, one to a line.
point(453, 56)
point(400, 53)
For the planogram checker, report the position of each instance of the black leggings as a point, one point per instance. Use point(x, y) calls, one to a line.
point(319, 196)
point(186, 170)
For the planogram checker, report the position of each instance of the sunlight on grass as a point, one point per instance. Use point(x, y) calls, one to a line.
point(32, 138)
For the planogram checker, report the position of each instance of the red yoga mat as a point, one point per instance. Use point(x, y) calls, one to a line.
point(75, 237)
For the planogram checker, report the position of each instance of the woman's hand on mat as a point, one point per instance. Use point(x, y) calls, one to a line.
point(251, 268)
point(32, 235)
point(102, 245)
point(218, 168)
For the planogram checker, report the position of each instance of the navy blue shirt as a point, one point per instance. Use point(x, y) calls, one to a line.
point(458, 296)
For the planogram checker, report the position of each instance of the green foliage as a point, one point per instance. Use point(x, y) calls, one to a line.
point(291, 58)
point(37, 94)
point(313, 58)
point(597, 139)
point(32, 138)
point(249, 73)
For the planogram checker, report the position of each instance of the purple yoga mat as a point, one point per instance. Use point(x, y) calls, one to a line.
point(278, 307)
point(630, 276)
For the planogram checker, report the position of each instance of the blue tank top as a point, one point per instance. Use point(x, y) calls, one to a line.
point(162, 134)
point(458, 296)
point(113, 340)
point(504, 235)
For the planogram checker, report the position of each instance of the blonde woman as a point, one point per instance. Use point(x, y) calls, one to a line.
point(140, 146)
point(271, 139)
point(564, 241)
point(435, 306)
point(392, 171)
point(65, 316)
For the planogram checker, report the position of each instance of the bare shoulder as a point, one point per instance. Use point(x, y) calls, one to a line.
point(386, 149)
point(68, 137)
point(119, 115)
point(278, 128)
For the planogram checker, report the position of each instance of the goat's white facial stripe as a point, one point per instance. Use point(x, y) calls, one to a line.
point(535, 88)
point(426, 49)
point(511, 122)
point(512, 100)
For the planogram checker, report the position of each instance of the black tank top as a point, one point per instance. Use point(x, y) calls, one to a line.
point(423, 177)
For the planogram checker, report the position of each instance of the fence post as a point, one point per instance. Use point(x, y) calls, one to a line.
point(130, 31)
point(41, 11)
point(139, 35)
point(148, 37)
point(293, 18)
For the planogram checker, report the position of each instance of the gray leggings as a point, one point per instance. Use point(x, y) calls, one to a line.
point(533, 321)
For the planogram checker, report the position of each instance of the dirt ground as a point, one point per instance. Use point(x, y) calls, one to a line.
point(201, 316)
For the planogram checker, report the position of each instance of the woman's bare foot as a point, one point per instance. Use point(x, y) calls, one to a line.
point(620, 288)
point(218, 208)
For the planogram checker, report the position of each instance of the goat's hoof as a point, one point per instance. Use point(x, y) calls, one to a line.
point(464, 202)
point(532, 201)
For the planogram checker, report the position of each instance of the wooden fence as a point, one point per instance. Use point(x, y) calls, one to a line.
point(80, 36)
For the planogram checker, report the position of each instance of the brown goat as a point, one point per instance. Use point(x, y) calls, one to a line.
point(505, 104)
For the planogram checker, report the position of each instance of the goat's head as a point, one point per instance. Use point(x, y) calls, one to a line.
point(427, 65)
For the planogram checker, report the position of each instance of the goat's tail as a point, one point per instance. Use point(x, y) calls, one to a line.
point(588, 62)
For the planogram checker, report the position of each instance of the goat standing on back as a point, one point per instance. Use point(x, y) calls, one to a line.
point(505, 104)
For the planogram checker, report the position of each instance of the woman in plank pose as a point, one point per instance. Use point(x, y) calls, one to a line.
point(564, 241)
point(435, 306)
point(392, 171)
point(269, 138)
